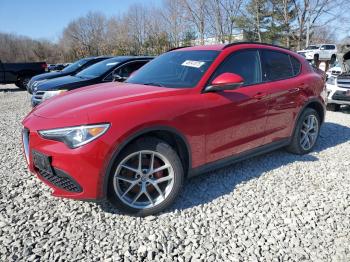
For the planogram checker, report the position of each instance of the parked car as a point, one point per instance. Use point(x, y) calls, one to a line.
point(72, 69)
point(59, 67)
point(117, 68)
point(186, 112)
point(338, 86)
point(20, 73)
point(335, 70)
point(323, 52)
point(51, 67)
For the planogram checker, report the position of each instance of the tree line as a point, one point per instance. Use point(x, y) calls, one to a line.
point(151, 30)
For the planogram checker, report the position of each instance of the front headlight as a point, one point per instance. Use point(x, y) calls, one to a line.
point(76, 136)
point(49, 94)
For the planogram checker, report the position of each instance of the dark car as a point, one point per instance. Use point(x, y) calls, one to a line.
point(118, 68)
point(58, 67)
point(20, 73)
point(72, 69)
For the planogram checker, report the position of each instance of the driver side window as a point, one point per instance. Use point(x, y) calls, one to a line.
point(244, 63)
point(126, 70)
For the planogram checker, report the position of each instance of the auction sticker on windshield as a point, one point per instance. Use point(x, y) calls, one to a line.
point(192, 63)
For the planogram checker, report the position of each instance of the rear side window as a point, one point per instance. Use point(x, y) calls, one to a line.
point(296, 65)
point(276, 66)
point(243, 63)
point(330, 47)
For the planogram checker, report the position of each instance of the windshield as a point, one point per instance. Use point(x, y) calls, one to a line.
point(178, 69)
point(311, 47)
point(98, 69)
point(75, 65)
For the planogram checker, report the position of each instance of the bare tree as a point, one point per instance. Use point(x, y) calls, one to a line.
point(86, 34)
point(196, 11)
point(313, 13)
point(223, 16)
point(175, 23)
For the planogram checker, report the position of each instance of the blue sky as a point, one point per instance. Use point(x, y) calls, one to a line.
point(47, 18)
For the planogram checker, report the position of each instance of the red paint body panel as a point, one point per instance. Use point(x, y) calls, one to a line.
point(215, 125)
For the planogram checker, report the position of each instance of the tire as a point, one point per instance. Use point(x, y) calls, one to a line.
point(298, 141)
point(333, 107)
point(127, 179)
point(332, 61)
point(22, 82)
point(316, 59)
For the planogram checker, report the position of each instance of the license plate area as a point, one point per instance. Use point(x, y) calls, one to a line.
point(347, 93)
point(42, 162)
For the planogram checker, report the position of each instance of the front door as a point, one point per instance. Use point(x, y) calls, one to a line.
point(236, 118)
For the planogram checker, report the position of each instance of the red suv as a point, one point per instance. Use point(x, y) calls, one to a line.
point(186, 112)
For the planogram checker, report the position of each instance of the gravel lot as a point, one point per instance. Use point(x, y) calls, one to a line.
point(275, 207)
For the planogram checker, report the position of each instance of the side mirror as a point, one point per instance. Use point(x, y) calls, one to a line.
point(225, 81)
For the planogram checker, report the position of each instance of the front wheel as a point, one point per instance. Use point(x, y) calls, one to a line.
point(306, 132)
point(146, 178)
point(22, 82)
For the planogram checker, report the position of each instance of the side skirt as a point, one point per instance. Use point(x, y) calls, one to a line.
point(237, 158)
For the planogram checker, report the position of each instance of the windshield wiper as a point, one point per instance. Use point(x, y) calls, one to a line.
point(153, 84)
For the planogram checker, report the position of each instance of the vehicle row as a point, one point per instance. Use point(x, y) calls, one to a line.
point(85, 72)
point(338, 82)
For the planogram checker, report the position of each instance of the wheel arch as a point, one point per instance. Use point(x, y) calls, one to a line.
point(169, 134)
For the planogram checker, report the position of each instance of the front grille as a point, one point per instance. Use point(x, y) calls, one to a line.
point(334, 72)
point(38, 96)
point(62, 180)
point(343, 82)
point(340, 95)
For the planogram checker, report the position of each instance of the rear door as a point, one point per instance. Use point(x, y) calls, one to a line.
point(280, 73)
point(323, 52)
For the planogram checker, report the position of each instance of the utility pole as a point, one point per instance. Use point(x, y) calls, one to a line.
point(308, 32)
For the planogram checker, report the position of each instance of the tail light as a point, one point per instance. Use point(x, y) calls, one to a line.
point(44, 66)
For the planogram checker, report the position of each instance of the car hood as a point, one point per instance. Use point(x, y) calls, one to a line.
point(49, 75)
point(98, 97)
point(61, 82)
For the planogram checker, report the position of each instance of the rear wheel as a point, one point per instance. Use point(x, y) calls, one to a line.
point(306, 132)
point(146, 178)
point(333, 107)
point(22, 82)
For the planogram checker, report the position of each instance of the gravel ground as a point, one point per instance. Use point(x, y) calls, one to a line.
point(275, 207)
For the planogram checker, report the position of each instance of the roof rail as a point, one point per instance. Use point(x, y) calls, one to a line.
point(179, 47)
point(257, 43)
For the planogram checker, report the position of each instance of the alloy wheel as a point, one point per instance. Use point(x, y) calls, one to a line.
point(143, 179)
point(309, 132)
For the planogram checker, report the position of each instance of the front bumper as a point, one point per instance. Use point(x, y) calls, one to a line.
point(337, 95)
point(77, 173)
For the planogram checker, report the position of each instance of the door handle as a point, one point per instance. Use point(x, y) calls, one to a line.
point(260, 95)
point(303, 85)
point(294, 90)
